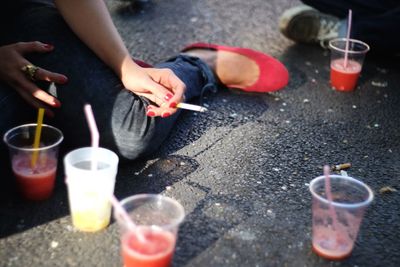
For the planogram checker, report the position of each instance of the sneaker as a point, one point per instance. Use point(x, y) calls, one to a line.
point(305, 24)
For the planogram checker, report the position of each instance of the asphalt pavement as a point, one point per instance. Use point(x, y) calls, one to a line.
point(242, 169)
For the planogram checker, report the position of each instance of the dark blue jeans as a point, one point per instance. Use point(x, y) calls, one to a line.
point(120, 114)
point(375, 22)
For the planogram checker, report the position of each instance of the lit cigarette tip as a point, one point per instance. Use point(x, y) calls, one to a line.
point(191, 107)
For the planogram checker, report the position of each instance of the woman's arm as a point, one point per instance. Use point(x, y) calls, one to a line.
point(92, 23)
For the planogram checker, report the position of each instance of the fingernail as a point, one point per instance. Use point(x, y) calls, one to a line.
point(150, 113)
point(65, 79)
point(56, 104)
point(172, 105)
point(48, 46)
point(165, 114)
point(168, 96)
point(149, 107)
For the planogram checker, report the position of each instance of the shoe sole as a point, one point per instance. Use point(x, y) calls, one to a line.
point(295, 24)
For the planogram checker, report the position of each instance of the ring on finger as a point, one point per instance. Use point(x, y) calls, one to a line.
point(30, 70)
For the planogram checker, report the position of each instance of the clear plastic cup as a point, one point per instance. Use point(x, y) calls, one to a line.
point(90, 187)
point(152, 241)
point(35, 178)
point(335, 224)
point(345, 73)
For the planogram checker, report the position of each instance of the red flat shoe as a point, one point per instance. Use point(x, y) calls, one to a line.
point(142, 63)
point(273, 74)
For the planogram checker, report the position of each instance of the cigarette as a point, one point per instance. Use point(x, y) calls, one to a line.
point(191, 107)
point(341, 167)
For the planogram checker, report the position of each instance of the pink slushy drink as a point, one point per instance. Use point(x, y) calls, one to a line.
point(346, 62)
point(35, 183)
point(149, 240)
point(155, 249)
point(335, 223)
point(344, 78)
point(34, 167)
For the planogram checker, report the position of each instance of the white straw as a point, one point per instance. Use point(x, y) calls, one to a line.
point(94, 132)
point(125, 217)
point(191, 107)
point(347, 38)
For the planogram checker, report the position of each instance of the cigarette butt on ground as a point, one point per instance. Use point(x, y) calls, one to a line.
point(191, 107)
point(340, 167)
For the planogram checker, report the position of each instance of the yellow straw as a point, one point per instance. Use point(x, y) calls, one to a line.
point(38, 132)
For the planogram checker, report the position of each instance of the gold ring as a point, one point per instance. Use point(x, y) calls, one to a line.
point(30, 70)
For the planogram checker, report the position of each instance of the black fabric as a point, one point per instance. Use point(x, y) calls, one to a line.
point(10, 10)
point(375, 22)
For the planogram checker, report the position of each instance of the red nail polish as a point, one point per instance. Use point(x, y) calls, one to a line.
point(151, 113)
point(168, 96)
point(165, 114)
point(48, 46)
point(65, 79)
point(172, 105)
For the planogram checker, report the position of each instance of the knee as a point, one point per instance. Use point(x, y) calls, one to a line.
point(135, 139)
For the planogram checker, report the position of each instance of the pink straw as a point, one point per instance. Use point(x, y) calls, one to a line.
point(347, 39)
point(94, 132)
point(120, 210)
point(125, 217)
point(328, 193)
point(92, 125)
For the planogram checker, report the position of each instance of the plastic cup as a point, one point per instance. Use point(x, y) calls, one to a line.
point(35, 181)
point(335, 228)
point(152, 242)
point(89, 189)
point(344, 76)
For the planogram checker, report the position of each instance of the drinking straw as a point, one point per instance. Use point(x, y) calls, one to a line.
point(92, 125)
point(125, 217)
point(347, 39)
point(36, 140)
point(328, 193)
point(94, 132)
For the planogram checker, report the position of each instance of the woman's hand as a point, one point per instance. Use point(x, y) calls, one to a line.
point(161, 86)
point(11, 72)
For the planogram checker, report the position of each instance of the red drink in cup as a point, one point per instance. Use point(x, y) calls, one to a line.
point(35, 183)
point(34, 167)
point(344, 78)
point(346, 65)
point(149, 229)
point(155, 250)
